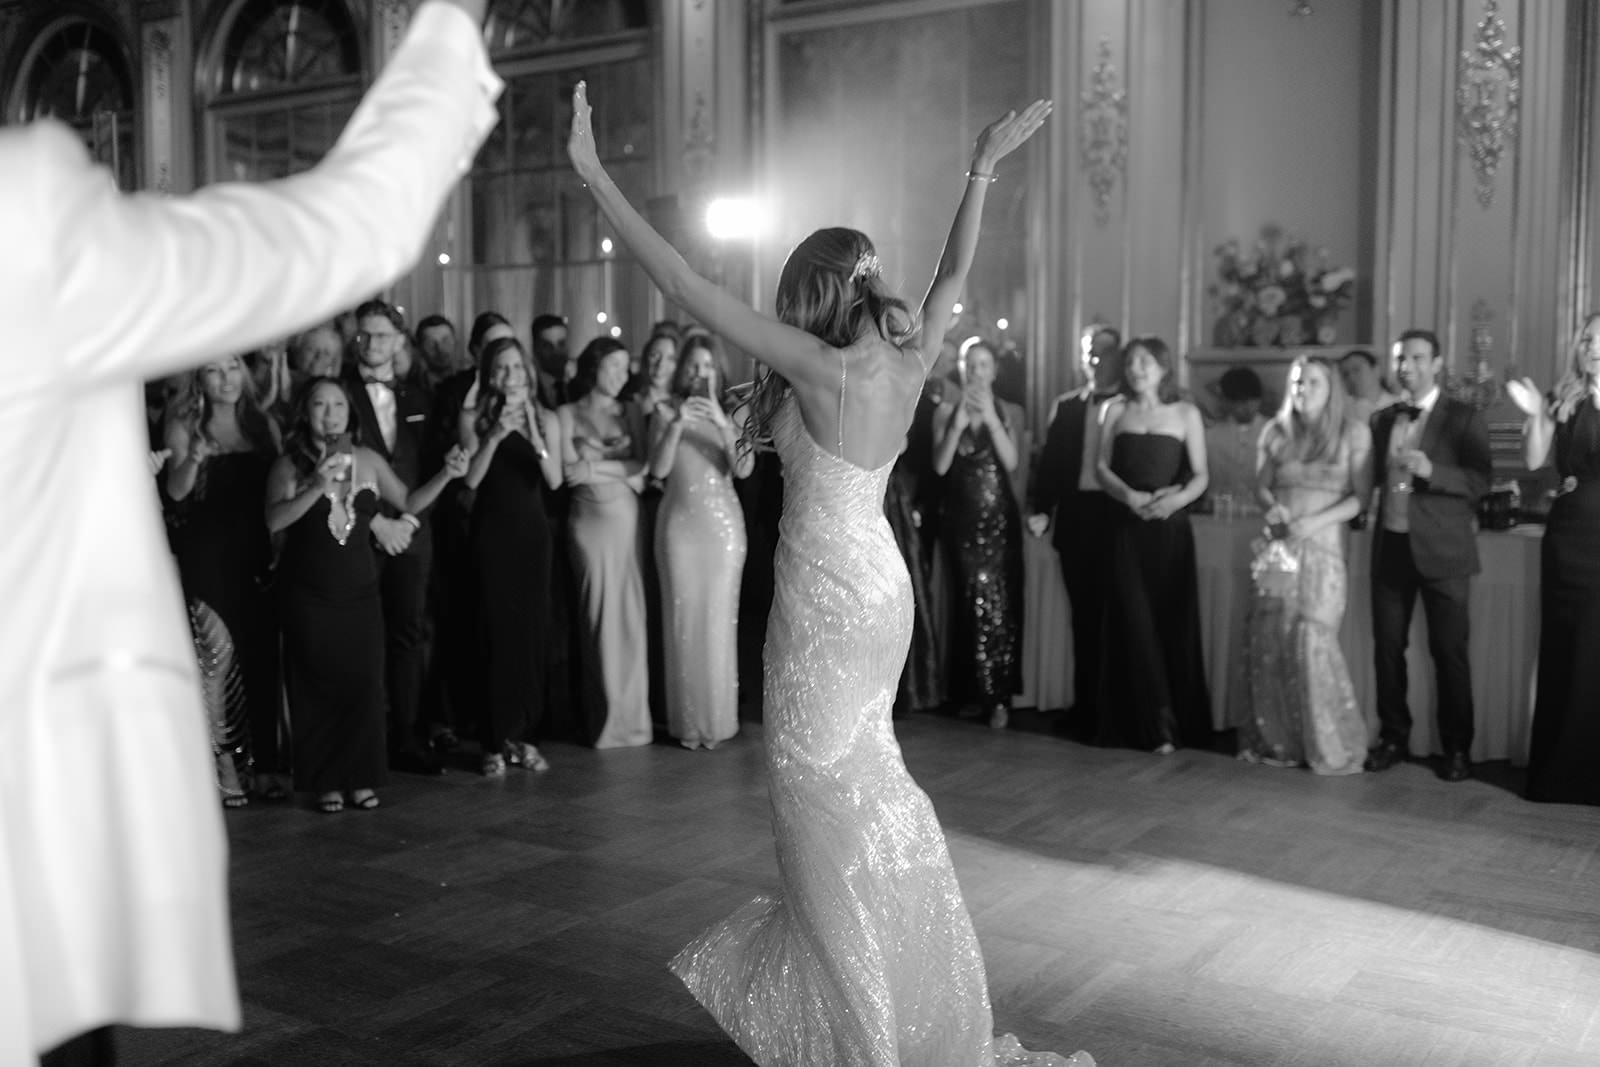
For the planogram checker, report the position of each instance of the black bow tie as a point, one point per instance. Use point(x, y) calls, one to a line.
point(1410, 411)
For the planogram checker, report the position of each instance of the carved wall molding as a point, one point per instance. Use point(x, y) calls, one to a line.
point(393, 16)
point(1488, 99)
point(1103, 131)
point(157, 40)
point(699, 143)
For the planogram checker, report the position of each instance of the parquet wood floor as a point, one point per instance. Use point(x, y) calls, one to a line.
point(1189, 911)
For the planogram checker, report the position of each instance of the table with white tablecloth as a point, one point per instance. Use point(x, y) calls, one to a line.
point(1504, 644)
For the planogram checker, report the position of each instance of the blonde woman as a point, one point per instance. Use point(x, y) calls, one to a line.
point(1313, 473)
point(1564, 757)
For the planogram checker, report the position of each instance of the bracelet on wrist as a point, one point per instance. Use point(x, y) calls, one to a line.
point(410, 520)
point(980, 176)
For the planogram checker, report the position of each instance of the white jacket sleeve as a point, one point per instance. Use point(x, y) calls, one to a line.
point(146, 285)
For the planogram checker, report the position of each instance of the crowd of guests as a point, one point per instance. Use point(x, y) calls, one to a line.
point(1127, 454)
point(392, 547)
point(393, 544)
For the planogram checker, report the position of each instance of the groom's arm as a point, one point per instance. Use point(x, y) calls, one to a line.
point(147, 285)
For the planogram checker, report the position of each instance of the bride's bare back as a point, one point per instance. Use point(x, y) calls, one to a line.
point(880, 385)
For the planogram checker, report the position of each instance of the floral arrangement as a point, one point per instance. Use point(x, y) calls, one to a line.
point(1280, 292)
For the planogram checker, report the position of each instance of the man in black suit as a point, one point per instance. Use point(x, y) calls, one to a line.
point(1431, 464)
point(398, 409)
point(1066, 495)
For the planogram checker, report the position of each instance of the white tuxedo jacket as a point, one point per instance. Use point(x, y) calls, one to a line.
point(113, 865)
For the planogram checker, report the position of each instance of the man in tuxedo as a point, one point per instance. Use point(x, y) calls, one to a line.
point(1066, 496)
point(398, 408)
point(114, 884)
point(1431, 465)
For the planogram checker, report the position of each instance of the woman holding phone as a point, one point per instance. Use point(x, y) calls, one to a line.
point(976, 449)
point(322, 494)
point(700, 548)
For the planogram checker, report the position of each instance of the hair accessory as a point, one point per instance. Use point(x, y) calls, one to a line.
point(866, 267)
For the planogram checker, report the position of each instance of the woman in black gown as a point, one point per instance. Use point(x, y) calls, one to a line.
point(977, 445)
point(221, 445)
point(322, 493)
point(508, 434)
point(1152, 460)
point(1564, 753)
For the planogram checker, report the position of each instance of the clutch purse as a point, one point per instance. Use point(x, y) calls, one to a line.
point(1274, 568)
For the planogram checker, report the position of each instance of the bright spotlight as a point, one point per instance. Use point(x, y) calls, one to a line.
point(444, 259)
point(606, 246)
point(601, 318)
point(1002, 324)
point(958, 309)
point(729, 217)
point(616, 331)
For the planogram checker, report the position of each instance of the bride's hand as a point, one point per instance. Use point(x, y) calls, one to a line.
point(1007, 133)
point(580, 140)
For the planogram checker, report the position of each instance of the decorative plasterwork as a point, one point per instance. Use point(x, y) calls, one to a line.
point(1488, 99)
point(158, 87)
point(393, 18)
point(1103, 120)
point(699, 143)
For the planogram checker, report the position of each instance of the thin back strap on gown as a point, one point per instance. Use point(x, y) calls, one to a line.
point(841, 403)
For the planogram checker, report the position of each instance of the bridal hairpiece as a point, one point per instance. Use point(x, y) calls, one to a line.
point(866, 267)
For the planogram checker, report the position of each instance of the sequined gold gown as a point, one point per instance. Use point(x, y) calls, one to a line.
point(700, 549)
point(1302, 703)
point(865, 957)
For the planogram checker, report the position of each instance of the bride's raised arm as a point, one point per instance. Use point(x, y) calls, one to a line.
point(998, 140)
point(791, 352)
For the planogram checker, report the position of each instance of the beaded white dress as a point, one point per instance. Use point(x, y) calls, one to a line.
point(866, 956)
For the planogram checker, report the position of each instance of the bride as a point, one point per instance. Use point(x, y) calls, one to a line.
point(866, 956)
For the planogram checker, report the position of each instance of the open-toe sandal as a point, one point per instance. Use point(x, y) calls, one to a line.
point(330, 805)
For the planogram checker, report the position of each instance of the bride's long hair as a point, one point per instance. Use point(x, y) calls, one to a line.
point(830, 287)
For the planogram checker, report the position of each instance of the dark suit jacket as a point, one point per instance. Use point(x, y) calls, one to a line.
point(409, 456)
point(1443, 508)
point(1055, 477)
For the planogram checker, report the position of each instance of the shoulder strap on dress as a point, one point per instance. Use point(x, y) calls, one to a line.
point(841, 403)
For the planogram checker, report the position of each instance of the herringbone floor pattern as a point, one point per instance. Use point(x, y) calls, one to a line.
point(1186, 911)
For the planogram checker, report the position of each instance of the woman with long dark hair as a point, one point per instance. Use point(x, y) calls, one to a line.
point(699, 548)
point(603, 460)
point(221, 445)
point(509, 435)
point(1564, 752)
point(866, 955)
point(977, 445)
point(1152, 460)
point(322, 494)
point(1313, 473)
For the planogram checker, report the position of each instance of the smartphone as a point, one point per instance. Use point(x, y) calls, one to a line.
point(701, 387)
point(341, 444)
point(1278, 531)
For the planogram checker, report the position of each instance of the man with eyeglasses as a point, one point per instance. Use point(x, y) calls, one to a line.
point(113, 865)
point(393, 410)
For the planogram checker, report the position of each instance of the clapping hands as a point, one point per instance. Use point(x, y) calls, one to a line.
point(1526, 396)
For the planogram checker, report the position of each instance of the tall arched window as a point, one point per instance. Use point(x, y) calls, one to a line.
point(535, 234)
point(78, 72)
point(278, 81)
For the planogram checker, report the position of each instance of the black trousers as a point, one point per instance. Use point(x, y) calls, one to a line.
point(96, 1048)
point(403, 586)
point(1083, 542)
point(1395, 588)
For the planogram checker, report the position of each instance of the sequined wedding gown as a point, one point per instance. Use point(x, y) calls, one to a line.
point(866, 956)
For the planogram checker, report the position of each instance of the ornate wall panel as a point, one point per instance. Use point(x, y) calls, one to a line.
point(1472, 219)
